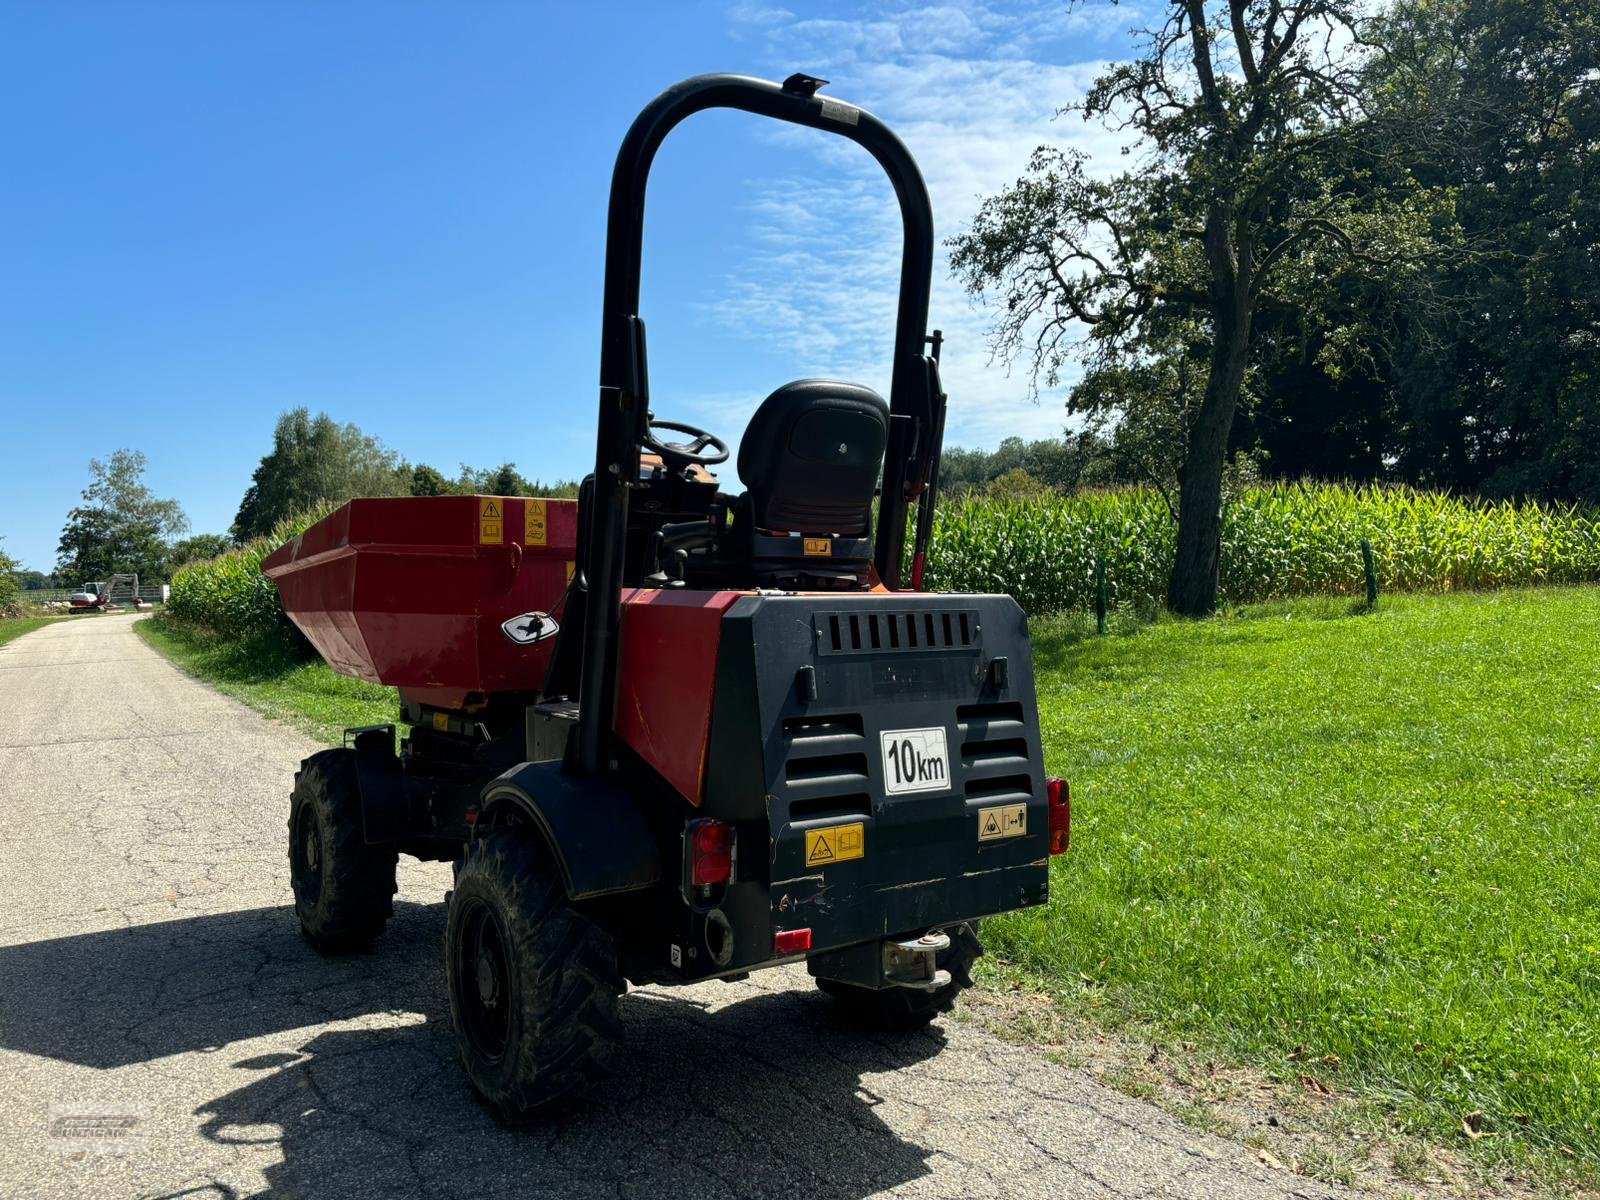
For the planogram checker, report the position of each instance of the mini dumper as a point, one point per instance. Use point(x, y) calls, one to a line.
point(667, 734)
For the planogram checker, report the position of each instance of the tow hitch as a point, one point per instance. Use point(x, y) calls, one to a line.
point(914, 964)
point(893, 963)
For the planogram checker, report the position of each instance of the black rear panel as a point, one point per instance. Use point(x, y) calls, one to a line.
point(872, 832)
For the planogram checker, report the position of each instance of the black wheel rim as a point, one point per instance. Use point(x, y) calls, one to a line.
point(483, 980)
point(308, 856)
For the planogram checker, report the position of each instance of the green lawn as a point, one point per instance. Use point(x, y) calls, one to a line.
point(1374, 834)
point(12, 628)
point(263, 674)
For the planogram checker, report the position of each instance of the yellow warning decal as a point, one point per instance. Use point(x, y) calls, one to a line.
point(572, 569)
point(491, 522)
point(819, 547)
point(837, 843)
point(536, 530)
point(441, 722)
point(1002, 821)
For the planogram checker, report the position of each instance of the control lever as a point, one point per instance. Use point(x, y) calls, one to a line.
point(658, 578)
point(677, 539)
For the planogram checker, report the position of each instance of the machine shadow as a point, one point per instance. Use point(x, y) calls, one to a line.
point(732, 1090)
point(763, 1097)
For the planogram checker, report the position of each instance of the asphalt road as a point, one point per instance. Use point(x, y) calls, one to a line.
point(165, 1032)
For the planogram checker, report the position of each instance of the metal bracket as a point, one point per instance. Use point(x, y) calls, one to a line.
point(914, 964)
point(370, 737)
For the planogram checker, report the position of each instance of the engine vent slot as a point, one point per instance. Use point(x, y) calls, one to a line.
point(882, 631)
point(830, 725)
point(977, 751)
point(1000, 785)
point(1004, 710)
point(814, 808)
point(826, 766)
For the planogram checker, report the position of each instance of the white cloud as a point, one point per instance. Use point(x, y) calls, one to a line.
point(972, 92)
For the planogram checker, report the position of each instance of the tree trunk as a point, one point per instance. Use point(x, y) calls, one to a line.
point(1192, 591)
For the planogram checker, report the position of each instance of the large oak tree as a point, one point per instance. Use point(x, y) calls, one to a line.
point(1255, 183)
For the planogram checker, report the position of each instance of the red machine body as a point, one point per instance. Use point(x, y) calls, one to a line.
point(667, 680)
point(412, 592)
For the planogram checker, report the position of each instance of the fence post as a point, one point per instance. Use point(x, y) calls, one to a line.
point(1372, 573)
point(1101, 594)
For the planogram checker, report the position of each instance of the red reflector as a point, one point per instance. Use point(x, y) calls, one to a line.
point(1060, 795)
point(791, 941)
point(710, 852)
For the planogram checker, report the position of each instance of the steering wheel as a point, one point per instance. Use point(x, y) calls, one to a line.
point(701, 450)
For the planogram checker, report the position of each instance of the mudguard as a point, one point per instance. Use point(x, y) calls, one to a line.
point(598, 836)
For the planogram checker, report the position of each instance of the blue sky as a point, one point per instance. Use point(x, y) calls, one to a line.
point(211, 213)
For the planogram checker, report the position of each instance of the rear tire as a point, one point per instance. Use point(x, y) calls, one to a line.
point(534, 984)
point(343, 887)
point(907, 1008)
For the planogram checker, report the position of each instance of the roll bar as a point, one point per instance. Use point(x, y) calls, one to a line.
point(915, 399)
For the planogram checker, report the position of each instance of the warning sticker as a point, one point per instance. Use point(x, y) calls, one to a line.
point(837, 843)
point(491, 522)
point(1002, 821)
point(819, 547)
point(536, 531)
point(572, 569)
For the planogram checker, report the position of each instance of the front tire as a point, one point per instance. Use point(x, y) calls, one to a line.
point(906, 1008)
point(534, 984)
point(343, 887)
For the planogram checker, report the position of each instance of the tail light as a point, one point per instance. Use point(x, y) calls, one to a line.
point(791, 941)
point(710, 852)
point(1060, 795)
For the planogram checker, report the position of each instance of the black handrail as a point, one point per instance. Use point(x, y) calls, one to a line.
point(624, 372)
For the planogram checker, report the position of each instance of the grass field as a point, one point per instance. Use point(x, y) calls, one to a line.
point(265, 674)
point(1375, 836)
point(12, 628)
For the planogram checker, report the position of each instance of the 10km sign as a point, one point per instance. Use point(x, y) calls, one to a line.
point(915, 760)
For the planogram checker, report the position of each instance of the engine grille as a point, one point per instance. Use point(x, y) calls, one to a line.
point(825, 766)
point(874, 631)
point(995, 762)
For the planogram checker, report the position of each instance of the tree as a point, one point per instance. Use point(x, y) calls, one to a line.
point(1016, 484)
point(1496, 391)
point(121, 525)
point(10, 583)
point(315, 459)
point(1053, 462)
point(1257, 188)
point(425, 481)
point(197, 548)
point(506, 480)
point(34, 581)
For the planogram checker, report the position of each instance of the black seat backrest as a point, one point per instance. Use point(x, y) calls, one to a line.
point(809, 459)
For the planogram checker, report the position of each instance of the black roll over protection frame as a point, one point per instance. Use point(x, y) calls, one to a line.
point(916, 401)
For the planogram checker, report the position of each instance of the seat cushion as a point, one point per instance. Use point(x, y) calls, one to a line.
point(811, 455)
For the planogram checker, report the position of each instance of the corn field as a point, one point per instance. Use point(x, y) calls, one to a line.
point(229, 595)
point(1277, 541)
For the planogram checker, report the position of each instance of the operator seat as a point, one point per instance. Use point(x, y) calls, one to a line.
point(809, 461)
